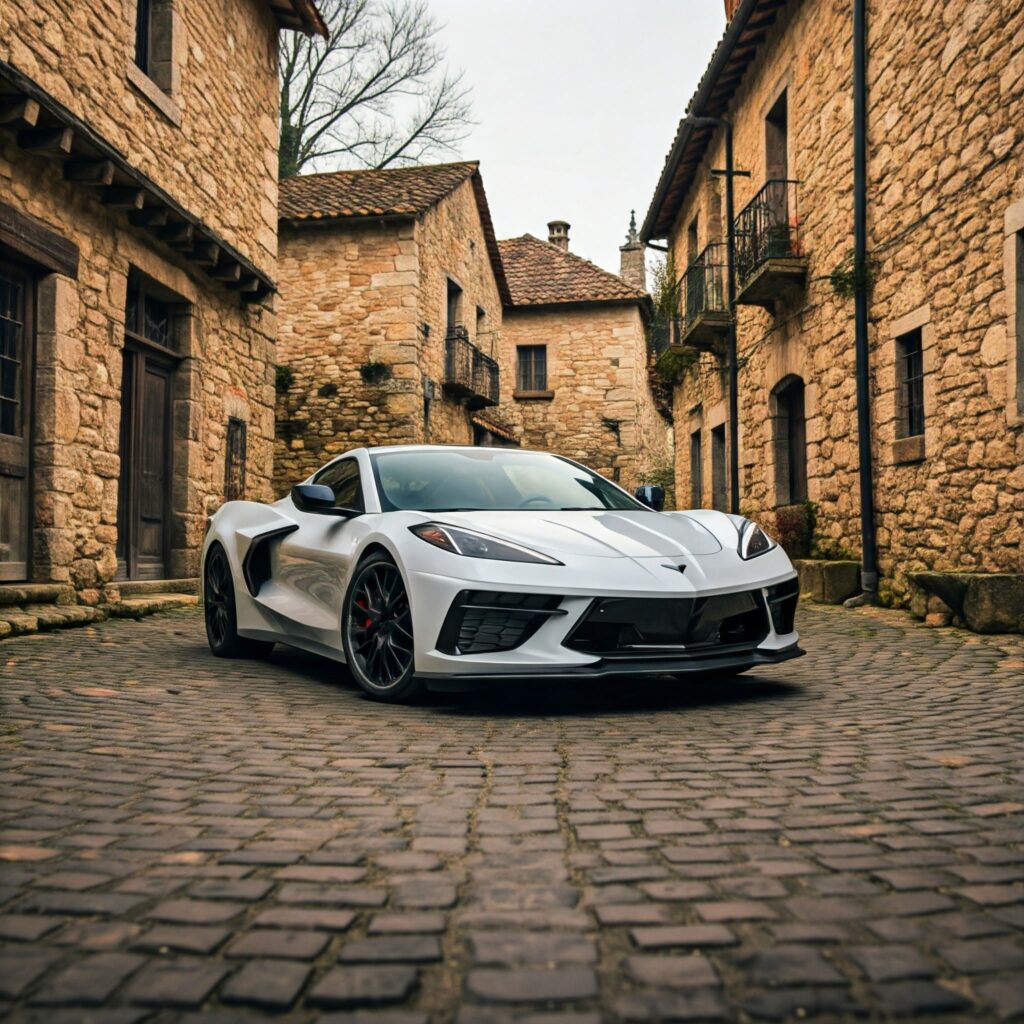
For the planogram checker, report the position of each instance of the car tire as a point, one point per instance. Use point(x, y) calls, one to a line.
point(219, 611)
point(376, 632)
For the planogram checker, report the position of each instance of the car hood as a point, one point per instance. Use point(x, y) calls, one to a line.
point(604, 533)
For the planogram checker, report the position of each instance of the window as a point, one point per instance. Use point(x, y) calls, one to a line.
point(696, 470)
point(481, 326)
point(147, 316)
point(234, 460)
point(790, 430)
point(776, 141)
point(143, 33)
point(343, 478)
point(910, 385)
point(454, 313)
point(1019, 316)
point(719, 478)
point(532, 368)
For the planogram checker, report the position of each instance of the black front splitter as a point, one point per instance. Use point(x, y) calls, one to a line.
point(603, 669)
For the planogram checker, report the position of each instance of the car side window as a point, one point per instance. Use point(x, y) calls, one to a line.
point(343, 478)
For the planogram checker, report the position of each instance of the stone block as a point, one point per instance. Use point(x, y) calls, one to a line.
point(827, 582)
point(984, 602)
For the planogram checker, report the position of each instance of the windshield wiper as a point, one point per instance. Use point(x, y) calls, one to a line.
point(581, 508)
point(444, 510)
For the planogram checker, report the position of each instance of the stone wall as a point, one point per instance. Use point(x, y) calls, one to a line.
point(945, 167)
point(210, 139)
point(452, 246)
point(600, 411)
point(225, 370)
point(363, 316)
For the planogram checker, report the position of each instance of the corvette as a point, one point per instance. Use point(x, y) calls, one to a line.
point(441, 566)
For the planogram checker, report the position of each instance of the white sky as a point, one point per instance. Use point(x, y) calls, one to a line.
point(577, 103)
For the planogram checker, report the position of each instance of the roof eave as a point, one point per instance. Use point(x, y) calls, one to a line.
point(299, 16)
point(654, 225)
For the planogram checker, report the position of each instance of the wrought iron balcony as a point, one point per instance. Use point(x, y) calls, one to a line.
point(770, 264)
point(469, 374)
point(705, 298)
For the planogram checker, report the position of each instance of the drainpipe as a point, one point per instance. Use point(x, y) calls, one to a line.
point(730, 273)
point(869, 558)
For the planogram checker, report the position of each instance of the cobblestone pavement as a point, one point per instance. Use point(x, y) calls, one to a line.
point(199, 840)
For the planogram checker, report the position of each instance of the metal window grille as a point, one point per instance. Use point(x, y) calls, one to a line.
point(910, 368)
point(234, 460)
point(533, 367)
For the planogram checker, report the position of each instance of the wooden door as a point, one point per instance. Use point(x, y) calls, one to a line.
point(145, 466)
point(16, 348)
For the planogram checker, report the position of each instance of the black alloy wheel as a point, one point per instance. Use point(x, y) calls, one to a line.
point(219, 611)
point(377, 631)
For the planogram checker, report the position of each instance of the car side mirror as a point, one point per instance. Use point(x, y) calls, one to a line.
point(319, 500)
point(652, 496)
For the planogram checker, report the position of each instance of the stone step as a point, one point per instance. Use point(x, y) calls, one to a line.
point(33, 618)
point(149, 604)
point(36, 593)
point(141, 588)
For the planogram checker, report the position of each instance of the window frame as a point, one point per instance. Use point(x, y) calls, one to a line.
point(336, 465)
point(696, 468)
point(235, 469)
point(528, 379)
point(910, 378)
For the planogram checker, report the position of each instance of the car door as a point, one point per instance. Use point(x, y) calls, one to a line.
point(314, 561)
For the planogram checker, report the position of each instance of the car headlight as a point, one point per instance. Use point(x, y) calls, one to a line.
point(754, 541)
point(477, 545)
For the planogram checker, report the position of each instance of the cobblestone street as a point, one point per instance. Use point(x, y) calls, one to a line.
point(200, 840)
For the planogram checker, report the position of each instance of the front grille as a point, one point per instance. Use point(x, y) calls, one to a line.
point(659, 627)
point(482, 621)
point(782, 602)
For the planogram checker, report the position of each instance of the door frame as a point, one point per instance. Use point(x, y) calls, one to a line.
point(141, 351)
point(19, 269)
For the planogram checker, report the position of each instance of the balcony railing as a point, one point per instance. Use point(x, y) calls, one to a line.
point(663, 334)
point(469, 374)
point(704, 284)
point(767, 228)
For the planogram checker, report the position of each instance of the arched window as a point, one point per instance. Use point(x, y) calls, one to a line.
point(790, 439)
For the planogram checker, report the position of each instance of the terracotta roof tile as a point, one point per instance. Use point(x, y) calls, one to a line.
point(542, 274)
point(397, 191)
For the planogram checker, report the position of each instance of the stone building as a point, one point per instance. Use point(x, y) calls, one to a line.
point(138, 238)
point(391, 295)
point(945, 237)
point(574, 343)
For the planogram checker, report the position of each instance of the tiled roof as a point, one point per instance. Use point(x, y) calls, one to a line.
point(542, 274)
point(736, 49)
point(394, 191)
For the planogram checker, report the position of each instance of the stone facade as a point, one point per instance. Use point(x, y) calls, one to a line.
point(945, 223)
point(190, 146)
point(364, 317)
point(595, 404)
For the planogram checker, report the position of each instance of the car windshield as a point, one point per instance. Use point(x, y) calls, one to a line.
point(490, 480)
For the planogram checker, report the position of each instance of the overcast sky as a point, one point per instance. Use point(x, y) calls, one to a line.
point(577, 103)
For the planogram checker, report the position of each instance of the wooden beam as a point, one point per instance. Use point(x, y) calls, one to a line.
point(123, 198)
point(18, 111)
point(226, 272)
point(46, 141)
point(177, 236)
point(245, 284)
point(89, 172)
point(150, 217)
point(205, 253)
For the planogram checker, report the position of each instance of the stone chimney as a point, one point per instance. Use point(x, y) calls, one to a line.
point(558, 233)
point(632, 266)
point(730, 8)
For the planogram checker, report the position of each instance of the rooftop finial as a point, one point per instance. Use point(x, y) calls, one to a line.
point(632, 237)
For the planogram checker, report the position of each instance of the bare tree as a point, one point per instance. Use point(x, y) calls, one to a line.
point(375, 92)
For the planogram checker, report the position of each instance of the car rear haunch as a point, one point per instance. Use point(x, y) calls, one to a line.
point(658, 627)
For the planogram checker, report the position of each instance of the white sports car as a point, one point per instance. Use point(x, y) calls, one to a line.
point(442, 566)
